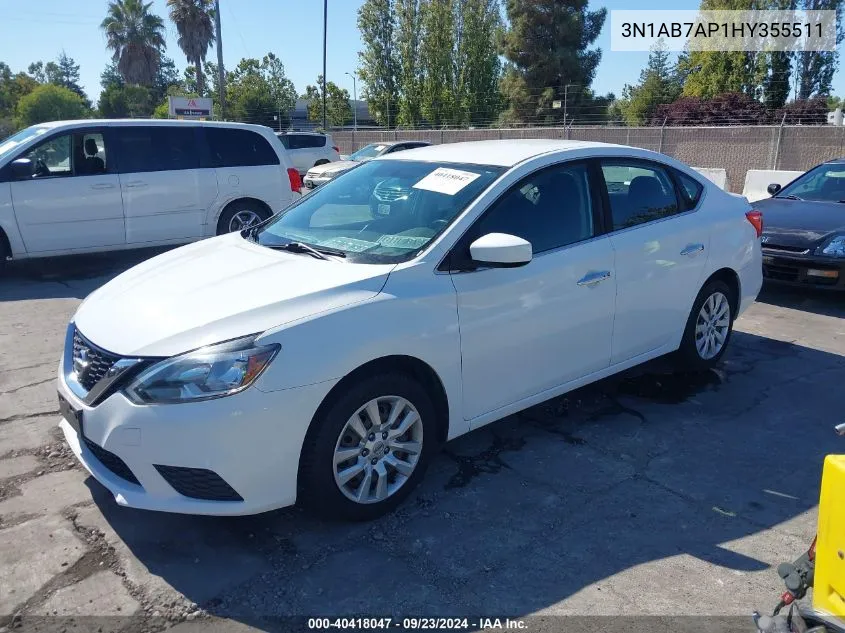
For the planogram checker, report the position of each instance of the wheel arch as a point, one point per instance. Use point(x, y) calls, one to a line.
point(5, 245)
point(730, 277)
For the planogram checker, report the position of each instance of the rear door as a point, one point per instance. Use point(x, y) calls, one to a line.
point(661, 244)
point(247, 166)
point(166, 195)
point(72, 201)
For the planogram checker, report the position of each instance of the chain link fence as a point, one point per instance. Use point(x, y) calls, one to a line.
point(735, 149)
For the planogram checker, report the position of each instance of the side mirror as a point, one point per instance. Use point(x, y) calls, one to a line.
point(22, 169)
point(501, 250)
point(773, 188)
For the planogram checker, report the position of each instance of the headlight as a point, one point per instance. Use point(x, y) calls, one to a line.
point(835, 247)
point(209, 372)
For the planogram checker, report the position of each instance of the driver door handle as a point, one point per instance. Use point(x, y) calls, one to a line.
point(135, 184)
point(593, 278)
point(103, 185)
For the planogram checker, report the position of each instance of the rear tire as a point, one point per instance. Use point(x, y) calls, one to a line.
point(384, 474)
point(241, 214)
point(709, 327)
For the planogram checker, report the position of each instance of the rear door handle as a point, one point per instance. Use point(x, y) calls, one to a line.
point(103, 185)
point(135, 184)
point(692, 249)
point(591, 279)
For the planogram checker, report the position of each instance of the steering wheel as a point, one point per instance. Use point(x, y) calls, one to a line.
point(41, 168)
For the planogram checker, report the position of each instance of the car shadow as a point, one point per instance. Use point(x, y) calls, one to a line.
point(684, 472)
point(828, 303)
point(67, 277)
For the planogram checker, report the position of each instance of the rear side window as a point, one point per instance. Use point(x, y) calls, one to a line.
point(156, 148)
point(285, 139)
point(238, 148)
point(639, 192)
point(691, 189)
point(317, 141)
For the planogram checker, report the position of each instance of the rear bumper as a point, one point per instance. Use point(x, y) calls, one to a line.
point(805, 271)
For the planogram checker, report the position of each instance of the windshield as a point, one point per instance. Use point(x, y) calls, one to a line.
point(8, 144)
point(384, 211)
point(368, 151)
point(825, 183)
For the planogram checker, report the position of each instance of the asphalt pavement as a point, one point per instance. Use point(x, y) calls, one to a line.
point(647, 494)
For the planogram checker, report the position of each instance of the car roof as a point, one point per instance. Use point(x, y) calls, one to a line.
point(298, 132)
point(130, 122)
point(502, 153)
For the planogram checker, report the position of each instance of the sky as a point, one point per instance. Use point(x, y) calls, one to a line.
point(292, 29)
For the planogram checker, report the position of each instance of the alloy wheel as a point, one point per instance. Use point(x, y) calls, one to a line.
point(243, 220)
point(378, 449)
point(712, 325)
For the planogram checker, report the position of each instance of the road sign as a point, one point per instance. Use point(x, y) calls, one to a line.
point(557, 105)
point(189, 107)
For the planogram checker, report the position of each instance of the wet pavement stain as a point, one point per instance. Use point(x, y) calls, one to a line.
point(485, 462)
point(671, 388)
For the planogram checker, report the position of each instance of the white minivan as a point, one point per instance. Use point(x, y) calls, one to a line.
point(95, 185)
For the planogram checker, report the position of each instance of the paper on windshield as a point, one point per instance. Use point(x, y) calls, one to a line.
point(403, 241)
point(445, 180)
point(349, 244)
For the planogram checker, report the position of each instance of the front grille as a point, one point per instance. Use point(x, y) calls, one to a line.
point(781, 272)
point(112, 462)
point(93, 361)
point(785, 249)
point(390, 192)
point(198, 483)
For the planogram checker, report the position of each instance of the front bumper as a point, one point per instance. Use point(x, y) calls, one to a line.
point(251, 441)
point(803, 270)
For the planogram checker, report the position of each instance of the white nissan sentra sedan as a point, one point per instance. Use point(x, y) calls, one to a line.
point(325, 355)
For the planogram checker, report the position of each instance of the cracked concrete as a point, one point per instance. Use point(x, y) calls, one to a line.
point(647, 493)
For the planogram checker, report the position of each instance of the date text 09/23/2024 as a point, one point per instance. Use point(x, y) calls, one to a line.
point(415, 623)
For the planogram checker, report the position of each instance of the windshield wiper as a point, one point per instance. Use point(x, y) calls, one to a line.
point(319, 252)
point(791, 196)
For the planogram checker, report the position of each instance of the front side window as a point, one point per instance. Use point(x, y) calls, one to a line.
point(72, 154)
point(639, 192)
point(231, 147)
point(550, 209)
point(825, 183)
point(382, 211)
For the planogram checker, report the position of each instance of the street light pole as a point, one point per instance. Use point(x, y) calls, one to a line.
point(221, 75)
point(354, 103)
point(325, 26)
point(565, 89)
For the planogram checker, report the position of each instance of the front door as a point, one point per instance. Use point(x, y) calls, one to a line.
point(166, 195)
point(661, 249)
point(72, 201)
point(529, 329)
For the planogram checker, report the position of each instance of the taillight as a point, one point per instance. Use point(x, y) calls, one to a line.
point(756, 219)
point(295, 180)
point(337, 149)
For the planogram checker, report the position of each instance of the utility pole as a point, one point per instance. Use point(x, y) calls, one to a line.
point(221, 74)
point(354, 103)
point(565, 89)
point(325, 26)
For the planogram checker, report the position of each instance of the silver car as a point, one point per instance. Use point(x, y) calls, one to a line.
point(320, 174)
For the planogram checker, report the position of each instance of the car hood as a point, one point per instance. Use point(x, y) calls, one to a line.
point(215, 290)
point(800, 223)
point(338, 165)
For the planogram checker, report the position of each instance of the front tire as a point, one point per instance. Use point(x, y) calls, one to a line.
point(709, 327)
point(368, 449)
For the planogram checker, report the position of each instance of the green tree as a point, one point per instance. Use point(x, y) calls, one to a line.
point(36, 71)
point(166, 77)
point(379, 68)
point(136, 38)
point(658, 84)
point(194, 20)
point(126, 102)
point(834, 102)
point(258, 91)
point(548, 47)
point(437, 62)
point(814, 70)
point(190, 81)
point(338, 106)
point(50, 103)
point(407, 47)
point(477, 65)
point(111, 76)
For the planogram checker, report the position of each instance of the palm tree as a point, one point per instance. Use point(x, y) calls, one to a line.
point(136, 37)
point(194, 20)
